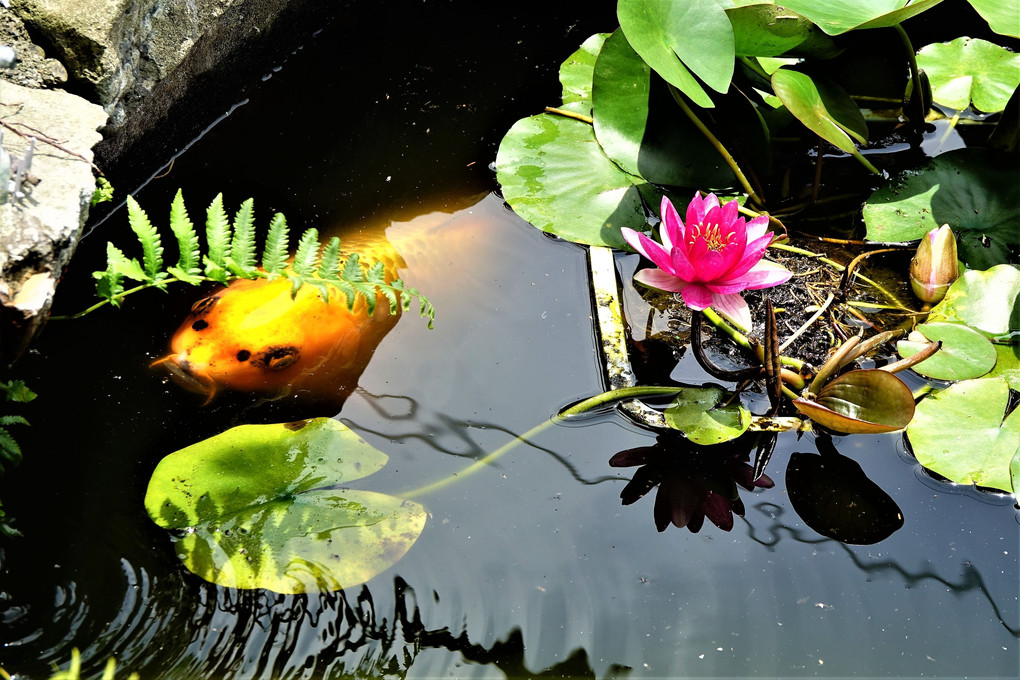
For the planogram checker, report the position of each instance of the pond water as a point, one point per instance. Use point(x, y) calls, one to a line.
point(530, 567)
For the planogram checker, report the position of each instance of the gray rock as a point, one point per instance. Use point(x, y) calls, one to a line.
point(38, 233)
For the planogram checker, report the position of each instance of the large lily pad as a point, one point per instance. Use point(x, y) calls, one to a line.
point(258, 507)
point(969, 70)
point(1002, 17)
point(702, 415)
point(961, 434)
point(964, 353)
point(642, 130)
point(823, 107)
point(839, 16)
point(861, 402)
point(678, 38)
point(767, 30)
point(971, 190)
point(988, 301)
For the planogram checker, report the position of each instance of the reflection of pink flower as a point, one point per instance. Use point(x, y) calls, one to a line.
point(711, 259)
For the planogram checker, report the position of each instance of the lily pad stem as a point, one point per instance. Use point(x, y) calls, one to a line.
point(577, 409)
point(915, 73)
point(726, 156)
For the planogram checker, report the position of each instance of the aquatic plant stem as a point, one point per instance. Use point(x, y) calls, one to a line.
point(915, 72)
point(713, 317)
point(726, 156)
point(577, 409)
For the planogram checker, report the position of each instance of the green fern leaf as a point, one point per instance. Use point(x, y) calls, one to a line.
point(329, 261)
point(307, 253)
point(152, 248)
point(9, 448)
point(13, 420)
point(274, 255)
point(242, 248)
point(217, 236)
point(353, 270)
point(109, 283)
point(188, 261)
point(125, 266)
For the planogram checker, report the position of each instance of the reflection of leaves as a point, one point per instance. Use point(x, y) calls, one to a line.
point(255, 513)
point(694, 482)
point(834, 497)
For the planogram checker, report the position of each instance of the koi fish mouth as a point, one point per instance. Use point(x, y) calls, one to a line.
point(181, 373)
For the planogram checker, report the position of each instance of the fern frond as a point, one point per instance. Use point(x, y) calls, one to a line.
point(274, 255)
point(12, 420)
point(188, 260)
point(217, 237)
point(329, 261)
point(9, 449)
point(353, 271)
point(152, 247)
point(307, 253)
point(241, 261)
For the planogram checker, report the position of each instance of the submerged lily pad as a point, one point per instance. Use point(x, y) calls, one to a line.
point(861, 402)
point(964, 353)
point(641, 128)
point(823, 107)
point(969, 70)
point(961, 434)
point(258, 507)
point(971, 190)
point(701, 414)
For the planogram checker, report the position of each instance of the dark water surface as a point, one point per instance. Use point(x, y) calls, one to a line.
point(531, 567)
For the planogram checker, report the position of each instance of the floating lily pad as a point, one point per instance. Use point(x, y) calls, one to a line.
point(700, 413)
point(767, 30)
point(576, 74)
point(969, 70)
point(961, 434)
point(861, 402)
point(678, 38)
point(258, 507)
point(839, 16)
point(823, 107)
point(964, 354)
point(987, 301)
point(1007, 365)
point(971, 190)
point(641, 128)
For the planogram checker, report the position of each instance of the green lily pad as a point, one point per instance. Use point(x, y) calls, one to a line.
point(259, 507)
point(971, 190)
point(555, 175)
point(698, 413)
point(576, 74)
point(678, 38)
point(1014, 474)
point(839, 16)
point(1002, 17)
point(767, 30)
point(964, 354)
point(960, 433)
point(969, 70)
point(640, 127)
point(987, 301)
point(823, 106)
point(1007, 365)
point(861, 402)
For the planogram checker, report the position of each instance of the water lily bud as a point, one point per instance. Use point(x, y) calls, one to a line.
point(934, 267)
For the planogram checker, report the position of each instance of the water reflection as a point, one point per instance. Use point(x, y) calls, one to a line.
point(694, 482)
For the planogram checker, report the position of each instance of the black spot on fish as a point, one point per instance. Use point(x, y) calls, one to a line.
point(200, 325)
point(276, 358)
point(243, 355)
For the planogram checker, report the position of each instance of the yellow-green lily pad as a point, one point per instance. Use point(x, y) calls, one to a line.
point(964, 353)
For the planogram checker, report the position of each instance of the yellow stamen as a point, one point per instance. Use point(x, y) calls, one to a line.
point(712, 235)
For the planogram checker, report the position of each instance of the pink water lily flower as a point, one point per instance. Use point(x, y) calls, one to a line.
point(711, 259)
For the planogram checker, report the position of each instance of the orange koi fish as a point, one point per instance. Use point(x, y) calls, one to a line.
point(253, 336)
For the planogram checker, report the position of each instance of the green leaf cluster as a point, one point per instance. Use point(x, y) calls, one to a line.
point(231, 253)
point(10, 450)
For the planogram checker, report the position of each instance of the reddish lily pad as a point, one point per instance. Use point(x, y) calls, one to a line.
point(861, 402)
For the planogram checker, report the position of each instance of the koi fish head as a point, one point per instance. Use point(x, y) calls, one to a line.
point(254, 336)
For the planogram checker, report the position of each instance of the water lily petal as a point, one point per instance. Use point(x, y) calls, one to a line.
point(682, 267)
point(660, 280)
point(766, 274)
point(709, 265)
point(649, 248)
point(671, 229)
point(757, 227)
point(753, 253)
point(733, 308)
point(696, 296)
point(699, 207)
point(729, 217)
